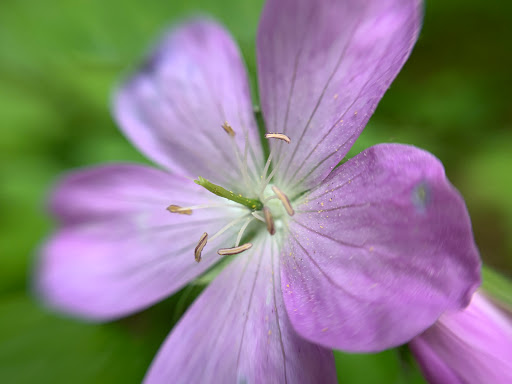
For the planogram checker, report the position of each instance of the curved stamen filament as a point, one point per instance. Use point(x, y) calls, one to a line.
point(234, 250)
point(242, 164)
point(227, 226)
point(265, 170)
point(242, 230)
point(273, 197)
point(264, 179)
point(267, 180)
point(257, 216)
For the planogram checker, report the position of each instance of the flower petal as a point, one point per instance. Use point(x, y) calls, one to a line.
point(119, 249)
point(174, 107)
point(238, 332)
point(378, 252)
point(323, 66)
point(470, 346)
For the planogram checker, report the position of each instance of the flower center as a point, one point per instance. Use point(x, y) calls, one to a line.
point(265, 202)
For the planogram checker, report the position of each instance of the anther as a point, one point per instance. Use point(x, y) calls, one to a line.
point(229, 130)
point(199, 247)
point(280, 136)
point(234, 250)
point(284, 200)
point(177, 209)
point(269, 220)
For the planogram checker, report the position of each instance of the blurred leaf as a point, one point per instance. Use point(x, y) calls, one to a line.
point(497, 286)
point(40, 347)
point(383, 367)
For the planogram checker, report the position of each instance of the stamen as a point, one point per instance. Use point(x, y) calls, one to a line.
point(226, 227)
point(280, 136)
point(177, 209)
point(199, 248)
point(273, 197)
point(269, 220)
point(263, 176)
point(242, 164)
point(264, 179)
point(242, 230)
point(257, 216)
point(234, 250)
point(284, 199)
point(229, 130)
point(267, 180)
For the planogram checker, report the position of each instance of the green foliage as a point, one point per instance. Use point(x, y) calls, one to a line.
point(497, 287)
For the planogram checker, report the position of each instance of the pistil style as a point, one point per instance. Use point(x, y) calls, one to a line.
point(253, 204)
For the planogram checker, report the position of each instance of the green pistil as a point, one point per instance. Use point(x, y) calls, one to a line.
point(252, 204)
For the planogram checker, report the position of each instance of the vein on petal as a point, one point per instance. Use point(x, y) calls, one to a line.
point(315, 109)
point(277, 317)
point(249, 305)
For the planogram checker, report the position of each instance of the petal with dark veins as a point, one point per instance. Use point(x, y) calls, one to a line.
point(238, 332)
point(378, 252)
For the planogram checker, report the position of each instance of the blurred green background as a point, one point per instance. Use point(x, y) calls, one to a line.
point(59, 61)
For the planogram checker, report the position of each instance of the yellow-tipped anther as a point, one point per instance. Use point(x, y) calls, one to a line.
point(177, 209)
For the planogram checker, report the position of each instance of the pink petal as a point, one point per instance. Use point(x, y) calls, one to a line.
point(119, 250)
point(378, 252)
point(174, 107)
point(323, 66)
point(238, 332)
point(471, 346)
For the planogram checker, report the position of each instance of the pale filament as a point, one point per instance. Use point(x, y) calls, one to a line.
point(242, 230)
point(242, 164)
point(265, 180)
point(272, 197)
point(257, 216)
point(226, 227)
point(265, 170)
point(265, 183)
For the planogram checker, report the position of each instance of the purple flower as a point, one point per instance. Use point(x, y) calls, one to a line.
point(360, 257)
point(467, 347)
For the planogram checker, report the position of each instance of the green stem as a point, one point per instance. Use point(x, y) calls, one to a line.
point(253, 204)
